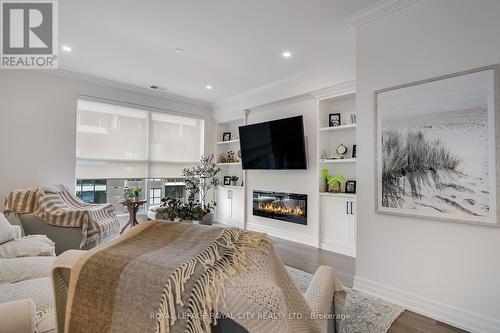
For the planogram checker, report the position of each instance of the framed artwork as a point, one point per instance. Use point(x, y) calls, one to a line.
point(436, 148)
point(226, 136)
point(350, 186)
point(334, 119)
point(227, 180)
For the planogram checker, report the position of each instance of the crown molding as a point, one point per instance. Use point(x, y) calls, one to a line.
point(133, 88)
point(300, 86)
point(342, 89)
point(376, 11)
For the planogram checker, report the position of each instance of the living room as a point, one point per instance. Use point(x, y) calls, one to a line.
point(173, 135)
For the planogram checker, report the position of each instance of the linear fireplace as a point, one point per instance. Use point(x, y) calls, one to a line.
point(289, 207)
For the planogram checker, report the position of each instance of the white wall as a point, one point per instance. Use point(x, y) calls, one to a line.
point(38, 124)
point(445, 270)
point(296, 181)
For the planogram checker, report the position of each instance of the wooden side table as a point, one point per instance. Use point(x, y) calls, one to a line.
point(132, 207)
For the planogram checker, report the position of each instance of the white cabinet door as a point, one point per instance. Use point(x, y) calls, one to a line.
point(352, 222)
point(230, 207)
point(338, 224)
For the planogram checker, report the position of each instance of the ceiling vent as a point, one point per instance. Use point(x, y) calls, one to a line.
point(155, 87)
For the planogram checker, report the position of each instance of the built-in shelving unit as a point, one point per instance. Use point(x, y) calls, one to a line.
point(230, 199)
point(337, 210)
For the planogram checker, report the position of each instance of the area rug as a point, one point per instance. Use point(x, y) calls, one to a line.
point(363, 313)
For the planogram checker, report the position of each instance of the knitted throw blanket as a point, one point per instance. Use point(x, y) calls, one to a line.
point(56, 205)
point(174, 277)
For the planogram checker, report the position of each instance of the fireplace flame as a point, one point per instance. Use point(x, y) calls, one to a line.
point(280, 209)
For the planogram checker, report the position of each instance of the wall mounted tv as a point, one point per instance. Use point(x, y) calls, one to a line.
point(274, 145)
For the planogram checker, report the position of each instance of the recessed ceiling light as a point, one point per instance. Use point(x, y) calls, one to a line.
point(209, 87)
point(179, 51)
point(66, 48)
point(287, 54)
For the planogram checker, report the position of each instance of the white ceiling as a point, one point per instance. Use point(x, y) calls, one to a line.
point(233, 45)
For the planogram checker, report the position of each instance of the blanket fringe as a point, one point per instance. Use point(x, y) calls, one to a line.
point(208, 292)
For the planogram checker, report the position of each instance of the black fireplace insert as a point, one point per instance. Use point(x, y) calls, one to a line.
point(289, 207)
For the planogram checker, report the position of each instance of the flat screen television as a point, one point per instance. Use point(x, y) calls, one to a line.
point(274, 145)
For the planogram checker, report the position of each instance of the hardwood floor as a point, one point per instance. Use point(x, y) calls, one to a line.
point(308, 259)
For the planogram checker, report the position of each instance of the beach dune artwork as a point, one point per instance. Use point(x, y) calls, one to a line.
point(436, 148)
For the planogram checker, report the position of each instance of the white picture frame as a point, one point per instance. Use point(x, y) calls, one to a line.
point(445, 128)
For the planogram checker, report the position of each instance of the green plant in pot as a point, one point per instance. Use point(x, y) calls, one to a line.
point(199, 180)
point(332, 183)
point(233, 180)
point(174, 209)
point(133, 193)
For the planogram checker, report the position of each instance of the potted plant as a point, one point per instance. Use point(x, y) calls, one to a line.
point(332, 183)
point(199, 180)
point(174, 209)
point(133, 193)
point(233, 180)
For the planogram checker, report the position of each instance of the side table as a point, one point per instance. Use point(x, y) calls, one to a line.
point(132, 207)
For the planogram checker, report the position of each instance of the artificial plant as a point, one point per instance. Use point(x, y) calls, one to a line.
point(332, 180)
point(202, 178)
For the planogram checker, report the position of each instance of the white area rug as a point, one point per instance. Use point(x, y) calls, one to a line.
point(364, 313)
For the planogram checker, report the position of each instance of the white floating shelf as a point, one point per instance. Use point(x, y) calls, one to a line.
point(337, 128)
point(227, 142)
point(235, 163)
point(233, 187)
point(344, 160)
point(334, 194)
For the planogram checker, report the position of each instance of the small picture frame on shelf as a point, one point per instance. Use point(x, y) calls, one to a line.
point(334, 119)
point(227, 180)
point(350, 186)
point(353, 151)
point(226, 136)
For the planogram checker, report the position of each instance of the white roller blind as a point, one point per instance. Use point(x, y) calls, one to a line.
point(121, 142)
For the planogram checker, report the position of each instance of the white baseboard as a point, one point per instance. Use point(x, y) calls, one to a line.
point(442, 312)
point(338, 249)
point(279, 233)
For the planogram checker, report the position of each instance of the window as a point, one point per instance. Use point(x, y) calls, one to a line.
point(92, 190)
point(175, 188)
point(155, 196)
point(120, 147)
point(115, 141)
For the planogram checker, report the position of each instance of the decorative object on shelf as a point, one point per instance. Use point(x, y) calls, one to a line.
point(435, 148)
point(341, 151)
point(332, 183)
point(199, 180)
point(174, 209)
point(324, 155)
point(227, 157)
point(348, 118)
point(353, 155)
point(226, 136)
point(234, 179)
point(334, 119)
point(239, 154)
point(227, 180)
point(350, 186)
